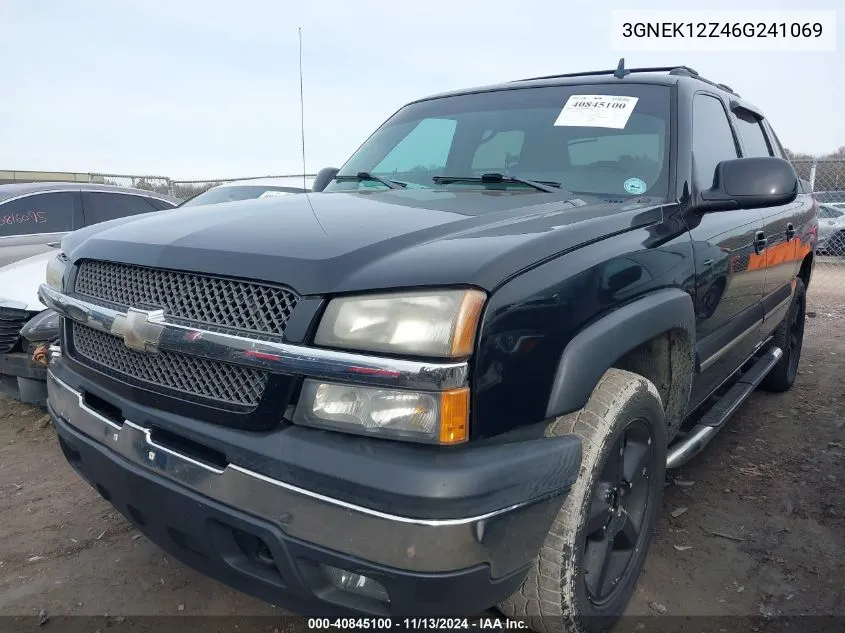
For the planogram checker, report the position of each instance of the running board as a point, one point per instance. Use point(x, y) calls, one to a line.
point(713, 421)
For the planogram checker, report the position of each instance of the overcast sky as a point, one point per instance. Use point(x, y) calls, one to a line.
point(210, 89)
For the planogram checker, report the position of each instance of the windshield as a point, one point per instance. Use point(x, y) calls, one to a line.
point(239, 192)
point(601, 139)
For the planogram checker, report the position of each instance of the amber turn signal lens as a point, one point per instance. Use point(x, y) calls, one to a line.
point(454, 416)
point(467, 323)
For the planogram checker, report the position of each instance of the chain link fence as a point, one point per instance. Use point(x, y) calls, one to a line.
point(184, 189)
point(159, 184)
point(826, 295)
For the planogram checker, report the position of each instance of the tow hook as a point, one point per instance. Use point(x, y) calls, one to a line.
point(41, 355)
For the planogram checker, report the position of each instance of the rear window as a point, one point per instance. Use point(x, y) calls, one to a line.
point(38, 213)
point(239, 192)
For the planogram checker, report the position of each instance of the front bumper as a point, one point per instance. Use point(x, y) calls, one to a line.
point(23, 379)
point(214, 516)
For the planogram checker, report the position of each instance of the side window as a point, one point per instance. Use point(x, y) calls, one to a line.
point(40, 213)
point(712, 138)
point(754, 143)
point(425, 148)
point(775, 141)
point(102, 206)
point(498, 150)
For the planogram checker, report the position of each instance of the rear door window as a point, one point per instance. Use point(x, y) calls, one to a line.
point(56, 212)
point(102, 206)
point(712, 138)
point(754, 142)
point(774, 140)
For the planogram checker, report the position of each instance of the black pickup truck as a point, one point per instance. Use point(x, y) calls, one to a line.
point(453, 376)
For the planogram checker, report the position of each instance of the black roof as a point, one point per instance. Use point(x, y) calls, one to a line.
point(11, 190)
point(664, 76)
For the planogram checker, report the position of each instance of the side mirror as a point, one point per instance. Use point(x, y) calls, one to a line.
point(750, 183)
point(323, 178)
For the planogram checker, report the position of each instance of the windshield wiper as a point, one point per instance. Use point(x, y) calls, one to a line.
point(549, 186)
point(365, 175)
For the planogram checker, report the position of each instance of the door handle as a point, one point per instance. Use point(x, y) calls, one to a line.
point(790, 232)
point(760, 242)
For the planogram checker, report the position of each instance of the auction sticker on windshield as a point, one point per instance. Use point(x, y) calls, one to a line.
point(610, 111)
point(273, 193)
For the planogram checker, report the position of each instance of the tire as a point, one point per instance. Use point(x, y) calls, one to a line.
point(789, 337)
point(624, 412)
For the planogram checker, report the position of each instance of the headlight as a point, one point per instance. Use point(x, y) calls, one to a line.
point(436, 418)
point(425, 323)
point(44, 326)
point(56, 269)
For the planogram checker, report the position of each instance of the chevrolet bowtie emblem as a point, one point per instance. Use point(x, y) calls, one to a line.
point(140, 329)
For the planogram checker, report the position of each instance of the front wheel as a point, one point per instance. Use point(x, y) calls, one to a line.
point(585, 573)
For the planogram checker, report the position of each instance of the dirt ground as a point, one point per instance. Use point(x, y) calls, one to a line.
point(755, 526)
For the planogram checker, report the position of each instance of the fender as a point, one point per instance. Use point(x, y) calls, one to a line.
point(595, 348)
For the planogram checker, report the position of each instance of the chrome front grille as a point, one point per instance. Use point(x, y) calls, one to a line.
point(187, 375)
point(245, 308)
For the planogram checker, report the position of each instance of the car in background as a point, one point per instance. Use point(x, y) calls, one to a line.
point(34, 214)
point(27, 328)
point(831, 230)
point(32, 217)
point(249, 189)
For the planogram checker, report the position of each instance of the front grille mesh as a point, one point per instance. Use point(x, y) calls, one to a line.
point(246, 308)
point(197, 377)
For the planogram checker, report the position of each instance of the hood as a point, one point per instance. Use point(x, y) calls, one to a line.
point(342, 242)
point(19, 281)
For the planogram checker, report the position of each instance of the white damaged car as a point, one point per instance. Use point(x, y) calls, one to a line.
point(27, 329)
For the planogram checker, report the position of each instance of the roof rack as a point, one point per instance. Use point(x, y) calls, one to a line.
point(620, 72)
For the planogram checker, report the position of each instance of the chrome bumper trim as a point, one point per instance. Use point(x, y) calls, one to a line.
point(281, 358)
point(504, 539)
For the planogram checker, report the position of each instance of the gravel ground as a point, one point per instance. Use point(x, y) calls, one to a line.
point(755, 526)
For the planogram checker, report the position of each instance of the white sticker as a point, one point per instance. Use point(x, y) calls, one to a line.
point(635, 186)
point(596, 111)
point(271, 193)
